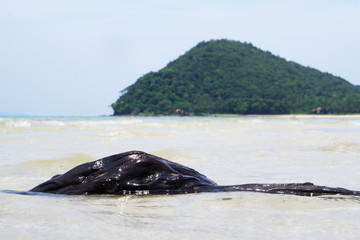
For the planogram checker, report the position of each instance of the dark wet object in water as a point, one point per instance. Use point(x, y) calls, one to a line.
point(137, 172)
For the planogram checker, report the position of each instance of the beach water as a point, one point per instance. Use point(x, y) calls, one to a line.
point(229, 150)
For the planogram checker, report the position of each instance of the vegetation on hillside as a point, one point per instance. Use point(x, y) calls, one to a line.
point(230, 77)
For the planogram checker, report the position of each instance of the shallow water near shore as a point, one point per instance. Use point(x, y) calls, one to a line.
point(229, 150)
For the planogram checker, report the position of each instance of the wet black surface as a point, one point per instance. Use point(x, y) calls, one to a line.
point(140, 173)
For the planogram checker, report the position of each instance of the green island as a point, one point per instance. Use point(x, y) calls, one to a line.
point(231, 77)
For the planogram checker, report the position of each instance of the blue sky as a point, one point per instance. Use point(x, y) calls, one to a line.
point(73, 57)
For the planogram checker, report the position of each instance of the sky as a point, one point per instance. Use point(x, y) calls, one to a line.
point(73, 57)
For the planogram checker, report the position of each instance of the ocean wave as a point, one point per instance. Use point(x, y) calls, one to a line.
point(56, 124)
point(16, 123)
point(346, 146)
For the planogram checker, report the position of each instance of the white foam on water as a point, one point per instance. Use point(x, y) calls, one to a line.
point(229, 150)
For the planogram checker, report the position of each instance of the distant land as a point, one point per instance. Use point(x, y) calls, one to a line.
point(231, 77)
point(12, 114)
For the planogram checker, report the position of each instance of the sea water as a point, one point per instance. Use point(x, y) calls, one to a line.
point(229, 150)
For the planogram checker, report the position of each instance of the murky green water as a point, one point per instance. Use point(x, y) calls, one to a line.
point(320, 149)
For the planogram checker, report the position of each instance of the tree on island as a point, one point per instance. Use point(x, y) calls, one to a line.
point(230, 77)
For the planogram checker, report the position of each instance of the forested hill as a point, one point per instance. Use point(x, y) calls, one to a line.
point(230, 77)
